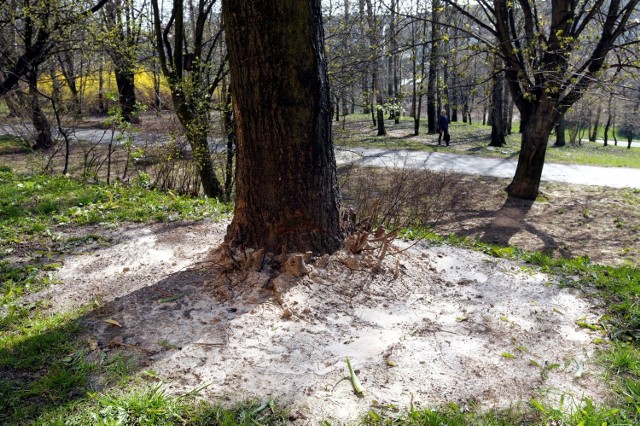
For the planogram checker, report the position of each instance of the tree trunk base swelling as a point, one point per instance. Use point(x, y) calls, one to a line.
point(528, 191)
point(227, 258)
point(284, 237)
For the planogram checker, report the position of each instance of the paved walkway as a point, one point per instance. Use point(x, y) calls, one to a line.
point(615, 177)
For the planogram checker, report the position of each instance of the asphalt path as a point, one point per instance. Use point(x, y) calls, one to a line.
point(615, 177)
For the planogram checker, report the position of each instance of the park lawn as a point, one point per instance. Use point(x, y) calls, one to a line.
point(48, 379)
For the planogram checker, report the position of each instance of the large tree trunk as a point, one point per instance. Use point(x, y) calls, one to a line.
point(286, 183)
point(538, 122)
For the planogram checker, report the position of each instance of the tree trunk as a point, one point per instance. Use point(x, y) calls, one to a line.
point(606, 130)
point(499, 111)
point(286, 183)
point(196, 132)
point(538, 122)
point(102, 108)
point(560, 128)
point(382, 131)
point(596, 124)
point(432, 113)
point(42, 130)
point(127, 95)
point(67, 67)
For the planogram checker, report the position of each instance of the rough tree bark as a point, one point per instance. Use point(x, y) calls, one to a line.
point(287, 191)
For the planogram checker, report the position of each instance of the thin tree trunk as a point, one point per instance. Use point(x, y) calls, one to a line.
point(42, 130)
point(127, 95)
point(498, 121)
point(380, 119)
point(560, 130)
point(596, 124)
point(68, 71)
point(538, 123)
point(101, 106)
point(432, 113)
point(606, 130)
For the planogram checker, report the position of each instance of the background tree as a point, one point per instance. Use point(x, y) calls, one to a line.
point(39, 31)
point(287, 191)
point(552, 52)
point(499, 113)
point(187, 56)
point(121, 38)
point(47, 22)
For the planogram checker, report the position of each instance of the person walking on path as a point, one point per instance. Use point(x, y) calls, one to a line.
point(443, 128)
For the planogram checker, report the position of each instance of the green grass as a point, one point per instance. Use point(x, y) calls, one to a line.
point(45, 365)
point(150, 405)
point(582, 412)
point(52, 376)
point(34, 208)
point(473, 139)
point(11, 144)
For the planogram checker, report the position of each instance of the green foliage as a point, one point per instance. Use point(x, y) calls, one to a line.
point(153, 406)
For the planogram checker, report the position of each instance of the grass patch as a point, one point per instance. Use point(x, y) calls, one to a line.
point(582, 412)
point(152, 406)
point(12, 145)
point(33, 208)
point(45, 364)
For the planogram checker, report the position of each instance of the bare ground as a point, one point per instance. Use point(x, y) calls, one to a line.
point(431, 325)
point(428, 325)
point(567, 220)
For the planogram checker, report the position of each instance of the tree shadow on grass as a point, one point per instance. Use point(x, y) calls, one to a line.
point(92, 352)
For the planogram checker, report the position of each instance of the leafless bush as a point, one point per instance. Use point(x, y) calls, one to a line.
point(170, 167)
point(401, 197)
